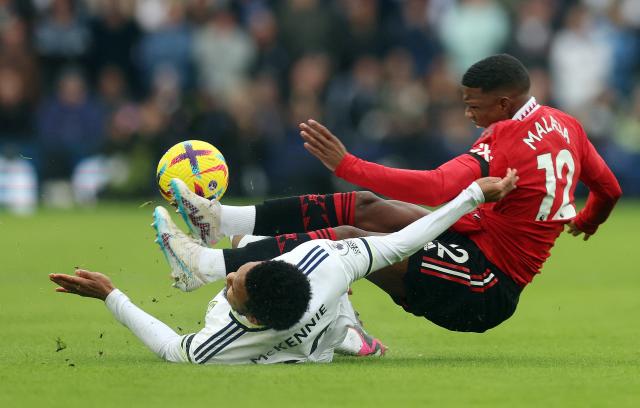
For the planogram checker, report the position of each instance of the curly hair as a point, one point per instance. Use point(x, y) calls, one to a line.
point(498, 72)
point(278, 294)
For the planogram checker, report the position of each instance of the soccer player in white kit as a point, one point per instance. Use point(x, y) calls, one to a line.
point(301, 323)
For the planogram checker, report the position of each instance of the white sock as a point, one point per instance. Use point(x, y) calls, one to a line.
point(237, 220)
point(247, 239)
point(211, 265)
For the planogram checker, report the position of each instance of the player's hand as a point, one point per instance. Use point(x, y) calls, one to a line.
point(495, 188)
point(323, 144)
point(575, 231)
point(84, 283)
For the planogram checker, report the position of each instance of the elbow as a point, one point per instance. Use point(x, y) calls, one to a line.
point(617, 192)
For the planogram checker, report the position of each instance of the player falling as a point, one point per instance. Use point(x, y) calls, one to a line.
point(289, 310)
point(471, 276)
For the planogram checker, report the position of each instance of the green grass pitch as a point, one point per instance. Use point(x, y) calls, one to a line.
point(574, 341)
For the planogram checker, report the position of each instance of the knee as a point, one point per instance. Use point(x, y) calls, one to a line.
point(366, 198)
point(348, 231)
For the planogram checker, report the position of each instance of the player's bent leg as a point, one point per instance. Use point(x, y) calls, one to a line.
point(373, 213)
point(391, 280)
point(357, 341)
point(305, 213)
point(269, 247)
point(452, 284)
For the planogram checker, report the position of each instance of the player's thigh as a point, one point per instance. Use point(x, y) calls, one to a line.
point(379, 215)
point(451, 283)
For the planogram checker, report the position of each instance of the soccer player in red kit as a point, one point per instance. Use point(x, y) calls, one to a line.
point(470, 277)
point(548, 148)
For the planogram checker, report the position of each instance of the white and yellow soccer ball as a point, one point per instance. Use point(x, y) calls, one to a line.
point(199, 164)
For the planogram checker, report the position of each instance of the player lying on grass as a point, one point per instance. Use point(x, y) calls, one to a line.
point(497, 248)
point(290, 309)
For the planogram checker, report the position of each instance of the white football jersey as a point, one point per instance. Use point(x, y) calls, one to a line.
point(331, 267)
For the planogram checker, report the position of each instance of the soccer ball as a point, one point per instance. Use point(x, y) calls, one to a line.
point(199, 164)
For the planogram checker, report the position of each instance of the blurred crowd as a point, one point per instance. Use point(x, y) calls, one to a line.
point(92, 92)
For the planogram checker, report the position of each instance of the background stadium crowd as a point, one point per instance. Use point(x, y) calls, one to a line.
point(93, 92)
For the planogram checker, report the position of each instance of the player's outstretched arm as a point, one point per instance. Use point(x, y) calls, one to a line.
point(428, 187)
point(84, 283)
point(157, 336)
point(389, 249)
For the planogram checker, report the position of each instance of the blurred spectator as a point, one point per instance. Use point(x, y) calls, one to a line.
point(416, 35)
point(70, 131)
point(16, 52)
point(18, 181)
point(625, 44)
point(404, 103)
point(533, 31)
point(167, 45)
point(352, 99)
point(223, 53)
point(580, 61)
point(62, 38)
point(472, 30)
point(365, 33)
point(271, 56)
point(114, 40)
point(309, 26)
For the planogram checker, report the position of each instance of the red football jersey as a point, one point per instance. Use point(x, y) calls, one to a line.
point(551, 152)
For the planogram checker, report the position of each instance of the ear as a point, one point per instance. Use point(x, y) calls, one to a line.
point(506, 104)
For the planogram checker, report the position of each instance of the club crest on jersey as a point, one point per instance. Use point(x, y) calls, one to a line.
point(483, 150)
point(341, 247)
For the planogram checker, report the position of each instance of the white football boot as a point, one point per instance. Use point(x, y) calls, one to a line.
point(359, 343)
point(201, 215)
point(182, 252)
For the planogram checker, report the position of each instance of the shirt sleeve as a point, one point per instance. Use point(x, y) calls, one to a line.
point(367, 254)
point(157, 336)
point(428, 187)
point(604, 190)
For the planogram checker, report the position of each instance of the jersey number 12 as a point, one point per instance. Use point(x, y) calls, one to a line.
point(554, 173)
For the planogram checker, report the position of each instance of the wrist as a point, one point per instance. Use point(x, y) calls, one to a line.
point(111, 294)
point(341, 168)
point(476, 193)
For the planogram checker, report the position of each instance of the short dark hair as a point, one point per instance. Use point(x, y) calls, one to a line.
point(498, 72)
point(278, 294)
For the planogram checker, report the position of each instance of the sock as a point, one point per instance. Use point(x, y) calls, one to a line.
point(304, 213)
point(211, 265)
point(269, 248)
point(237, 220)
point(247, 239)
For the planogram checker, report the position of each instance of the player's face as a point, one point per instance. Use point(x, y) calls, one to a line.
point(235, 289)
point(485, 108)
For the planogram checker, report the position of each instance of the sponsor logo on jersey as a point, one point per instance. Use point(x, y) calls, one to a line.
point(354, 247)
point(483, 150)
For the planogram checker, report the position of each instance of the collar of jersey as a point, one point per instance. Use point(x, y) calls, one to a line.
point(527, 109)
point(242, 321)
